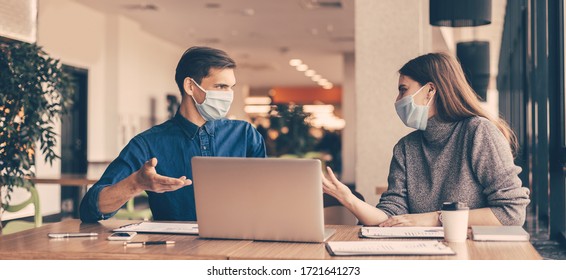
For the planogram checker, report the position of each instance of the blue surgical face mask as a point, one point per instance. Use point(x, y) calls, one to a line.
point(216, 103)
point(412, 115)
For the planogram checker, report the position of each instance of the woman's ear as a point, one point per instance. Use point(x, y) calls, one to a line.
point(188, 86)
point(431, 90)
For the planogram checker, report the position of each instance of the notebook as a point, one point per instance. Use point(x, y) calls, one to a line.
point(276, 199)
point(402, 232)
point(499, 233)
point(161, 227)
point(405, 247)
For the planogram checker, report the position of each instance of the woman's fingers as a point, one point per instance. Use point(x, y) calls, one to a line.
point(326, 182)
point(334, 180)
point(327, 187)
point(332, 176)
point(395, 221)
point(385, 223)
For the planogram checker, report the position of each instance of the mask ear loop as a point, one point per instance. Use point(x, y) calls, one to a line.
point(417, 92)
point(428, 103)
point(204, 91)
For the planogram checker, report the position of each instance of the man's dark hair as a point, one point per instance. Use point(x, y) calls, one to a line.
point(196, 63)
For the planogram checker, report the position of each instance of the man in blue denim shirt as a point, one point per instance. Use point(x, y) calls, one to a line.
point(205, 77)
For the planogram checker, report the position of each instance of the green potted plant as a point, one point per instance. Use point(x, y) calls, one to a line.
point(34, 93)
point(290, 124)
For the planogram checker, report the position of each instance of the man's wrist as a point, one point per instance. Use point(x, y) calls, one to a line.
point(134, 187)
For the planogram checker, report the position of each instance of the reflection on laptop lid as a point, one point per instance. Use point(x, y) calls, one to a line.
point(259, 198)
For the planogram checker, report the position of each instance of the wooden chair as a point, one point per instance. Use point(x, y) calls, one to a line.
point(18, 225)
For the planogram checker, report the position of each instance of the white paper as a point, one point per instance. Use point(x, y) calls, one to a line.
point(499, 233)
point(353, 248)
point(157, 227)
point(402, 232)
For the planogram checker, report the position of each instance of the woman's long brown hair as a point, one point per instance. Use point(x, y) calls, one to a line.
point(455, 99)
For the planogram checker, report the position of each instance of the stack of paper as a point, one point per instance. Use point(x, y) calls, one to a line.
point(158, 227)
point(499, 233)
point(356, 248)
point(402, 232)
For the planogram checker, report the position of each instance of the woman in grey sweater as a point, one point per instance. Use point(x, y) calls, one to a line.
point(458, 153)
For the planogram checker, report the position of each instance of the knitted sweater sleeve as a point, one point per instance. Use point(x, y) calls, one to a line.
point(394, 200)
point(493, 166)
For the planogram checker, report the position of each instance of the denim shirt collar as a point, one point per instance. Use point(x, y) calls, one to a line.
point(209, 127)
point(190, 128)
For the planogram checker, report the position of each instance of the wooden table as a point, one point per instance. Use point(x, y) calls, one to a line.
point(69, 180)
point(34, 244)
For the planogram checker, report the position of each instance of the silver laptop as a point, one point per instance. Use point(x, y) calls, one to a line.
point(259, 198)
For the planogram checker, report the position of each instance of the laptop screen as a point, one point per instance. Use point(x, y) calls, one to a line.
point(259, 198)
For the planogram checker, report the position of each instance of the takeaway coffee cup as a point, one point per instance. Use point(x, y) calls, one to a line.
point(454, 217)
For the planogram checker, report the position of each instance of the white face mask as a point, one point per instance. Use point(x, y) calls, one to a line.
point(216, 103)
point(412, 115)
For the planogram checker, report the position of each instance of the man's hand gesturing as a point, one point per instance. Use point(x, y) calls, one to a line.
point(147, 179)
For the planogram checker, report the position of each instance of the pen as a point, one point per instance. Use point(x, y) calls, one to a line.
point(72, 234)
point(143, 243)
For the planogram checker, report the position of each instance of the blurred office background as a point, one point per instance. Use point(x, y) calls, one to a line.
point(326, 68)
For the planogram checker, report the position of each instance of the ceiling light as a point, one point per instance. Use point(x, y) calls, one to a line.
point(295, 62)
point(460, 13)
point(257, 109)
point(258, 100)
point(317, 109)
point(302, 67)
point(248, 12)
